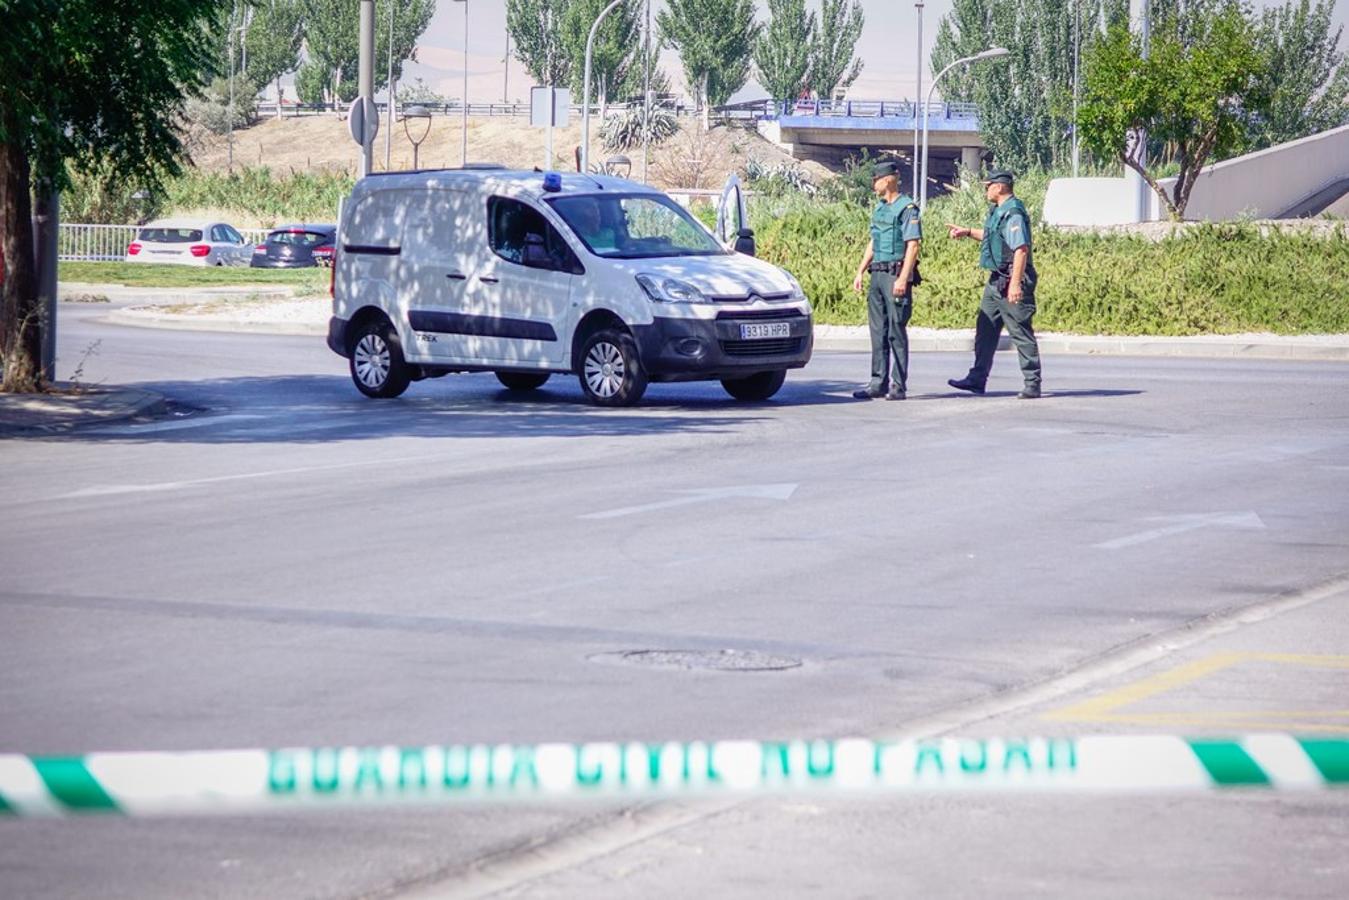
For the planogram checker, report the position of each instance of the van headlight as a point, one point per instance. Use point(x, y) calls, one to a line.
point(670, 290)
point(797, 295)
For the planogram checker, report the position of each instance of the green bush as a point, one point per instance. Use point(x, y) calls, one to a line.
point(299, 196)
point(1209, 279)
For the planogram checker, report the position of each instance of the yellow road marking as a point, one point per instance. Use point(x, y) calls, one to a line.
point(1103, 708)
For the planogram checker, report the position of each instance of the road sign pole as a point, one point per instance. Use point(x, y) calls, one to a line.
point(366, 77)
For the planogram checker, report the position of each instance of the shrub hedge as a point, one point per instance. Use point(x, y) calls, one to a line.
point(1211, 279)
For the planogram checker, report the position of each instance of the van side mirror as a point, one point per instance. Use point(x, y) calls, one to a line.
point(536, 255)
point(744, 242)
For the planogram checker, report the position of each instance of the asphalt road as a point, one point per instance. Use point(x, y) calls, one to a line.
point(287, 563)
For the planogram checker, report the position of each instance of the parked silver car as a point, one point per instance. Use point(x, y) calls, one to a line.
point(190, 243)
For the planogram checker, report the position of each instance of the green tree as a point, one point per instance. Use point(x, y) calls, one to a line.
point(1192, 99)
point(616, 56)
point(833, 64)
point(89, 86)
point(271, 45)
point(782, 52)
point(714, 39)
point(1306, 78)
point(1025, 101)
point(535, 27)
point(332, 36)
point(311, 83)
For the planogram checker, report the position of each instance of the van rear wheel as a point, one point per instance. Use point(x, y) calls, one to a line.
point(377, 364)
point(755, 387)
point(522, 381)
point(611, 370)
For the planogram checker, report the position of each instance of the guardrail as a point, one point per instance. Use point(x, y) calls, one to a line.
point(78, 242)
point(749, 111)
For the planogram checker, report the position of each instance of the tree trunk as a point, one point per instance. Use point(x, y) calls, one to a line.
point(1152, 183)
point(278, 97)
point(20, 316)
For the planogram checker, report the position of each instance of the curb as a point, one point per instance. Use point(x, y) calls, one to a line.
point(850, 338)
point(234, 781)
point(1314, 348)
point(53, 414)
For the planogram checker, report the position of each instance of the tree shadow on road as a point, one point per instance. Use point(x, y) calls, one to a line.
point(327, 408)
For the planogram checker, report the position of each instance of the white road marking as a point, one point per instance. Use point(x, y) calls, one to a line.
point(1182, 524)
point(701, 495)
point(178, 425)
point(115, 489)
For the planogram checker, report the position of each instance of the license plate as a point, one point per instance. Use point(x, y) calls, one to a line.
point(761, 330)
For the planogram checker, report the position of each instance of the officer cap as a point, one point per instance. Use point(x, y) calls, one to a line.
point(882, 169)
point(1002, 176)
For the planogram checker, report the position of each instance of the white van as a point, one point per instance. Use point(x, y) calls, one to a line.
point(528, 274)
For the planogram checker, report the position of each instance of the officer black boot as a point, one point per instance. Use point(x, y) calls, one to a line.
point(895, 394)
point(966, 384)
point(870, 392)
point(1029, 392)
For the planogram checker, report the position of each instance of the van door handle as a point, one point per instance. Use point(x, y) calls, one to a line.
point(488, 279)
point(456, 276)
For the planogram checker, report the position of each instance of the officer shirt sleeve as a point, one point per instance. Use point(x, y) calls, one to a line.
point(910, 226)
point(1014, 233)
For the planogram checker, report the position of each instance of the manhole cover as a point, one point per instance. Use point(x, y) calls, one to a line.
point(722, 660)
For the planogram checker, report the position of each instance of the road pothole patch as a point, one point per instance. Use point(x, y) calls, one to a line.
point(728, 660)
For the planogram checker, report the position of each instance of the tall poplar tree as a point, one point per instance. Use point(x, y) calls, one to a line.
point(782, 52)
point(535, 27)
point(714, 39)
point(834, 65)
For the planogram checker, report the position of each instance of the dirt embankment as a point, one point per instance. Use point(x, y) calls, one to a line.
point(690, 159)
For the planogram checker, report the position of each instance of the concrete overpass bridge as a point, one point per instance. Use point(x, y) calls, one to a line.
point(830, 131)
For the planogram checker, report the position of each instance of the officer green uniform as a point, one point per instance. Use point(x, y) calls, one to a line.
point(1006, 229)
point(893, 225)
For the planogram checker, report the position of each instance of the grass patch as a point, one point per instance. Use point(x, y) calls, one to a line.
point(304, 281)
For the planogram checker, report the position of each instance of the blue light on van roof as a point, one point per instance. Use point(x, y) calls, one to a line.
point(552, 182)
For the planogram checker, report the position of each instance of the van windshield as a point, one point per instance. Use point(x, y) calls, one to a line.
point(640, 226)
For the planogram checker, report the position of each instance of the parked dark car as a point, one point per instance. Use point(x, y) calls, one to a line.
point(296, 247)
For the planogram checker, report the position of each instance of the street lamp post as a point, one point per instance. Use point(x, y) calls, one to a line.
point(422, 114)
point(388, 130)
point(991, 53)
point(585, 92)
point(463, 142)
point(917, 93)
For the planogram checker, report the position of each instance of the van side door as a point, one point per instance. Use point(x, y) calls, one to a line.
point(443, 236)
point(520, 295)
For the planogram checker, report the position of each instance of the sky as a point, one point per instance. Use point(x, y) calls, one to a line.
point(887, 49)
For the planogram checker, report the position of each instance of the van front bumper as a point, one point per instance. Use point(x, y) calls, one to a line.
point(697, 349)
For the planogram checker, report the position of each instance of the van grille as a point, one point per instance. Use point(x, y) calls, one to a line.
point(760, 314)
point(774, 347)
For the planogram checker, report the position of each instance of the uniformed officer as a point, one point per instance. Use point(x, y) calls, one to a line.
point(892, 260)
point(1009, 298)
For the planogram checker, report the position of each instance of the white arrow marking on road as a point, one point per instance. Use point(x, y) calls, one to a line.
point(702, 495)
point(1182, 524)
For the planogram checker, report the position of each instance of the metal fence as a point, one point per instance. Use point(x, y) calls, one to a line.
point(108, 243)
point(750, 111)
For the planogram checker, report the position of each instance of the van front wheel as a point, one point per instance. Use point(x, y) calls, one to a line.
point(755, 387)
point(611, 369)
point(377, 364)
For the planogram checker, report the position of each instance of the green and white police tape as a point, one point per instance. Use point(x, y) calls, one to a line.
point(142, 784)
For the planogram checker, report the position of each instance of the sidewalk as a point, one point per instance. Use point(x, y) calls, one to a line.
point(255, 312)
point(1280, 667)
point(69, 407)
